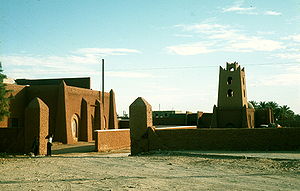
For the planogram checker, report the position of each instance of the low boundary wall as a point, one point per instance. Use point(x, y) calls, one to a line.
point(225, 139)
point(113, 139)
point(145, 137)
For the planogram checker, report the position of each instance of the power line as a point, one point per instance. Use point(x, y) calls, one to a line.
point(202, 66)
point(166, 68)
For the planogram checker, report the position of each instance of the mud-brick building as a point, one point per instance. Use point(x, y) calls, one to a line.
point(74, 111)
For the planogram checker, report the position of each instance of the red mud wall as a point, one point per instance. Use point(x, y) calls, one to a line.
point(225, 139)
point(112, 139)
point(17, 106)
point(12, 140)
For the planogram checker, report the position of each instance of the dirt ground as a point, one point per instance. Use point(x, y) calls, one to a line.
point(76, 167)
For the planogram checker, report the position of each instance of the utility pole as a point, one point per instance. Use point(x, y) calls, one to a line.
point(103, 84)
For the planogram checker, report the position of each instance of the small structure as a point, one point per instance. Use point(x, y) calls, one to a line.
point(140, 123)
point(232, 110)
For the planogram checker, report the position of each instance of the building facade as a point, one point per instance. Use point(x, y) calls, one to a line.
point(74, 112)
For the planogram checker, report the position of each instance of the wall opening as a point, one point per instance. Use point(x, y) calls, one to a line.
point(230, 93)
point(229, 80)
point(231, 69)
point(105, 123)
point(74, 127)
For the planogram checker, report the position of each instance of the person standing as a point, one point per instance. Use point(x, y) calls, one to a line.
point(35, 146)
point(49, 144)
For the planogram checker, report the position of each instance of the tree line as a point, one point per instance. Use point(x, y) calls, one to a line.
point(283, 115)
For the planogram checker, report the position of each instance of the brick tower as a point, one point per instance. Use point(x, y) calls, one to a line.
point(232, 110)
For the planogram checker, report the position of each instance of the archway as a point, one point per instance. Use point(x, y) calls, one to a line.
point(74, 127)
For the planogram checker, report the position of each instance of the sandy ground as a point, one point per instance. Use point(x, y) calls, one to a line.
point(75, 167)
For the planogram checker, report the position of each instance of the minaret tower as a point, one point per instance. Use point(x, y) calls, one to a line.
point(232, 87)
point(232, 109)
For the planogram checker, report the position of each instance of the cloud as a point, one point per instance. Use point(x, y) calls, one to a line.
point(240, 10)
point(291, 56)
point(295, 37)
point(273, 13)
point(237, 8)
point(288, 79)
point(203, 28)
point(222, 38)
point(106, 51)
point(256, 44)
point(288, 76)
point(79, 62)
point(190, 49)
point(183, 35)
point(265, 32)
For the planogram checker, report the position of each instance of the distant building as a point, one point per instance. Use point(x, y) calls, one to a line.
point(175, 118)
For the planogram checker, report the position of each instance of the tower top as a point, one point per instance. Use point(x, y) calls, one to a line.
point(232, 87)
point(232, 66)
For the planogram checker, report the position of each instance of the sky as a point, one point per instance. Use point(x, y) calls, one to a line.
point(166, 51)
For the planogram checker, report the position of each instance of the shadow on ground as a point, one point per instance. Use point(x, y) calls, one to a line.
point(75, 148)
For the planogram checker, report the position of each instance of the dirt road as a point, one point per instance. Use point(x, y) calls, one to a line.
point(82, 170)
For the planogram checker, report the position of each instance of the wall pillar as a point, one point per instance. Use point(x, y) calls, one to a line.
point(140, 123)
point(113, 121)
point(60, 131)
point(36, 125)
point(85, 128)
point(98, 118)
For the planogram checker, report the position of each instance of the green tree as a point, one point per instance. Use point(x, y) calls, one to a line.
point(286, 113)
point(262, 105)
point(4, 99)
point(275, 107)
point(282, 114)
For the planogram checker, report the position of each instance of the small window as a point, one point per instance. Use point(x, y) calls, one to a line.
point(231, 69)
point(229, 80)
point(230, 93)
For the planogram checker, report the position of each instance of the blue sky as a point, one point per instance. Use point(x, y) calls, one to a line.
point(166, 51)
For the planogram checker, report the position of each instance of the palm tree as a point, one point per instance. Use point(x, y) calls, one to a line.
point(275, 107)
point(286, 114)
point(262, 105)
